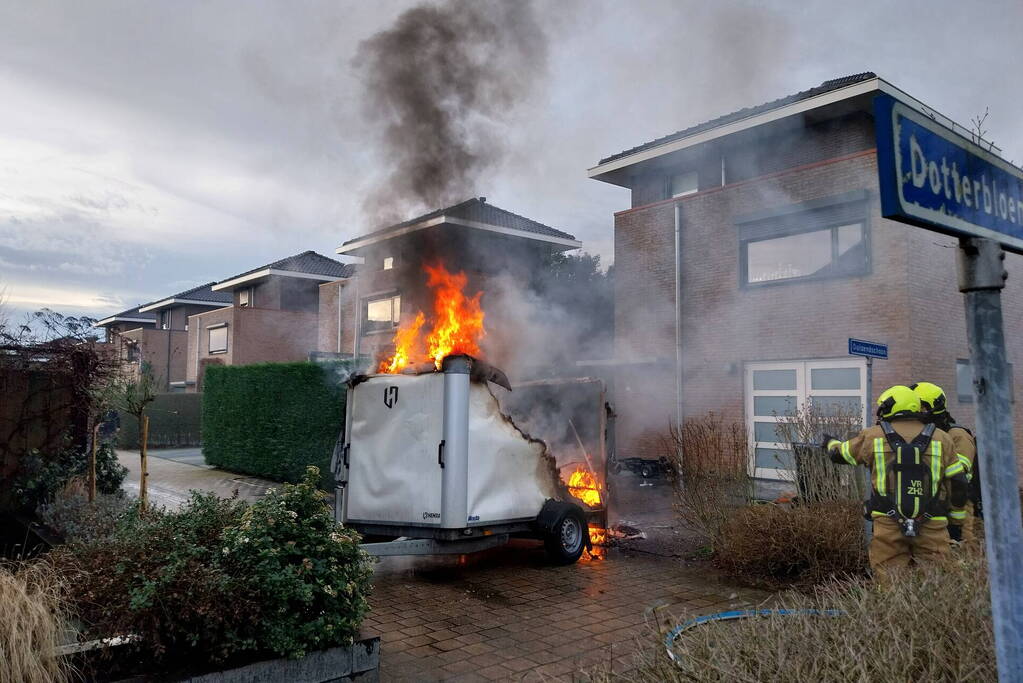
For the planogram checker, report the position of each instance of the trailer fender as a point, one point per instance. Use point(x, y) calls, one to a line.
point(551, 513)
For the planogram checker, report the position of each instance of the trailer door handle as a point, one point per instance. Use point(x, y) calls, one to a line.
point(440, 454)
point(346, 450)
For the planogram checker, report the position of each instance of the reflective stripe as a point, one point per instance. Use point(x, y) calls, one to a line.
point(957, 514)
point(953, 470)
point(935, 466)
point(875, 513)
point(846, 455)
point(939, 519)
point(880, 480)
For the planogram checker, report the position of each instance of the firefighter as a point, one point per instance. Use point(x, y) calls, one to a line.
point(935, 410)
point(914, 474)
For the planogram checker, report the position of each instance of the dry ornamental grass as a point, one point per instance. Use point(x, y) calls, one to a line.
point(928, 624)
point(33, 620)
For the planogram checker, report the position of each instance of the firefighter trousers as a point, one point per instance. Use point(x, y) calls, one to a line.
point(889, 548)
point(969, 524)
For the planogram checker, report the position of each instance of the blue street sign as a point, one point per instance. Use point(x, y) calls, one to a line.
point(935, 178)
point(859, 347)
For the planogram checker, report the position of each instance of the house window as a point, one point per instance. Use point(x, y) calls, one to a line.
point(823, 238)
point(831, 252)
point(775, 391)
point(245, 297)
point(165, 318)
point(964, 382)
point(388, 263)
point(133, 352)
point(682, 184)
point(217, 338)
point(381, 314)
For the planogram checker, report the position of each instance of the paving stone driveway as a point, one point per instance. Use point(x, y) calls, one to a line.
point(506, 615)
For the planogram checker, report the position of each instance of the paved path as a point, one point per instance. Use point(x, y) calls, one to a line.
point(172, 477)
point(505, 614)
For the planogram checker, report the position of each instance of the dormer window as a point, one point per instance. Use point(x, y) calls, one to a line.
point(682, 184)
point(245, 297)
point(388, 263)
point(165, 320)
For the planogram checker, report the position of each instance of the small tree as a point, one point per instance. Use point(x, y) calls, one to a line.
point(133, 395)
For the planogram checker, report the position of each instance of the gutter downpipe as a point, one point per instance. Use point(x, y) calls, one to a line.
point(358, 321)
point(678, 321)
point(339, 318)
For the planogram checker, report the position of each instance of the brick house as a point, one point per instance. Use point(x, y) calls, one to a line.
point(478, 238)
point(753, 249)
point(156, 333)
point(272, 315)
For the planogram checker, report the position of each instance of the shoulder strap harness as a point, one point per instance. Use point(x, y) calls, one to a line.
point(916, 473)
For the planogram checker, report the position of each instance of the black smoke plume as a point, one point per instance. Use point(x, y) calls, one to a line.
point(441, 84)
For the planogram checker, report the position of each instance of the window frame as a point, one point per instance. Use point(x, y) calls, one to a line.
point(671, 184)
point(210, 329)
point(829, 213)
point(247, 292)
point(967, 398)
point(388, 263)
point(366, 301)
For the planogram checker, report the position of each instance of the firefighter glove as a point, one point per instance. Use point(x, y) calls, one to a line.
point(830, 442)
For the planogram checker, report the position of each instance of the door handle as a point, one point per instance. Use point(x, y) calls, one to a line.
point(440, 454)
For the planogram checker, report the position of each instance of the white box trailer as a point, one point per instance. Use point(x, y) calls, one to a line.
point(432, 460)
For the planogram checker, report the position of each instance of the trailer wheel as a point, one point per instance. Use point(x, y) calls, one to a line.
point(568, 536)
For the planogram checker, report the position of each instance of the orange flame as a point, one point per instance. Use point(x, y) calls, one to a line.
point(598, 539)
point(458, 321)
point(406, 339)
point(583, 485)
point(457, 324)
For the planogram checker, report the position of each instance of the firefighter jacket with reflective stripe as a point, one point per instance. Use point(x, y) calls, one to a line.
point(871, 448)
point(966, 450)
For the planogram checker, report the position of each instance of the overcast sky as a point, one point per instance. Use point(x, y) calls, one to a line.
point(146, 147)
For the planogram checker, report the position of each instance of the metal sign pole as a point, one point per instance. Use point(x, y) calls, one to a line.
point(981, 279)
point(861, 473)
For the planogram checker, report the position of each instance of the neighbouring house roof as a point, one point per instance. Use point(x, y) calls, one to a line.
point(132, 315)
point(472, 213)
point(862, 85)
point(307, 265)
point(203, 295)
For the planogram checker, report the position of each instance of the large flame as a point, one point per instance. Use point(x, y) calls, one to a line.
point(457, 324)
point(583, 485)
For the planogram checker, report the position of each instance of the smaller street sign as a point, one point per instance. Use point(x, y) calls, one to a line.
point(859, 347)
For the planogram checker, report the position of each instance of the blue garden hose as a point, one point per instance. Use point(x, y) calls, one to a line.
point(673, 634)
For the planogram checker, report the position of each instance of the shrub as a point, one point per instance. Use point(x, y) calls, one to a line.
point(273, 419)
point(71, 515)
point(311, 577)
point(817, 477)
point(800, 544)
point(218, 579)
point(932, 623)
point(33, 619)
point(710, 462)
point(41, 476)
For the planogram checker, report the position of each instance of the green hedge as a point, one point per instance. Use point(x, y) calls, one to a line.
point(174, 420)
point(273, 419)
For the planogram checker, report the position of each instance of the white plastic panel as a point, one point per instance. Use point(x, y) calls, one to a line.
point(393, 475)
point(508, 476)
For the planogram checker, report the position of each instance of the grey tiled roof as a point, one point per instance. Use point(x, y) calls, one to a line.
point(478, 210)
point(308, 262)
point(825, 87)
point(134, 313)
point(200, 293)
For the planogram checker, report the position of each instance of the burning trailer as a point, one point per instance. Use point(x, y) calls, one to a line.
point(431, 458)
